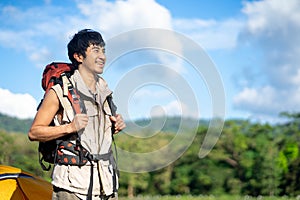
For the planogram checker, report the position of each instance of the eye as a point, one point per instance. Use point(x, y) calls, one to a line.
point(96, 50)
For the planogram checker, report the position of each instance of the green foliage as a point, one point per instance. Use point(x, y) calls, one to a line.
point(205, 197)
point(16, 150)
point(13, 124)
point(249, 159)
point(5, 146)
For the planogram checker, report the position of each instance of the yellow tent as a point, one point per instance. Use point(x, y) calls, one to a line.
point(17, 185)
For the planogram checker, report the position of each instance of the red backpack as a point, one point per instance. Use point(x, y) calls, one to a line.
point(57, 73)
point(50, 151)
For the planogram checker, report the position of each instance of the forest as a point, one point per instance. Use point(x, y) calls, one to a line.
point(249, 158)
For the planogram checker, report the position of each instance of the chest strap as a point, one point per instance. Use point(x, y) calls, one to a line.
point(97, 157)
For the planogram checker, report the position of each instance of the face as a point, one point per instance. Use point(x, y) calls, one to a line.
point(94, 60)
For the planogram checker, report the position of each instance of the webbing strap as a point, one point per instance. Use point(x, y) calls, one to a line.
point(90, 190)
point(72, 94)
point(64, 102)
point(113, 109)
point(97, 157)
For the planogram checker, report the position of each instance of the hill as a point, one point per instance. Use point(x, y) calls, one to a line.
point(14, 124)
point(171, 124)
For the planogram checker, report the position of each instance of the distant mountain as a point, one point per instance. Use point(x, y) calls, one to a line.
point(14, 124)
point(162, 124)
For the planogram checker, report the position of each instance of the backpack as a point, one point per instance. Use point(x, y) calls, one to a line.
point(50, 151)
point(59, 73)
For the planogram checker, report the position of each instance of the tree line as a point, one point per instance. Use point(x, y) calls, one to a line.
point(248, 159)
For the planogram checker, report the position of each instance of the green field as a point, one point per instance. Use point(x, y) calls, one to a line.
point(211, 197)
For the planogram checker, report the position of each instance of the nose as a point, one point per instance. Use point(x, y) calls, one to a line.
point(102, 55)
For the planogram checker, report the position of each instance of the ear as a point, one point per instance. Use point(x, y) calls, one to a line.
point(78, 57)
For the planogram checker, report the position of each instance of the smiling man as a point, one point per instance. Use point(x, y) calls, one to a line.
point(98, 178)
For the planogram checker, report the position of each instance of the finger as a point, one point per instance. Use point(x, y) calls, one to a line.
point(113, 118)
point(120, 126)
point(81, 121)
point(119, 117)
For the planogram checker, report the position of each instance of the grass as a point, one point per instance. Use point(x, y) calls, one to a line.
point(210, 197)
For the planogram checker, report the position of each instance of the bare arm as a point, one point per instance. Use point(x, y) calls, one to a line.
point(40, 129)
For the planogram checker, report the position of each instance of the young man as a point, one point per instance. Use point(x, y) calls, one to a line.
point(86, 51)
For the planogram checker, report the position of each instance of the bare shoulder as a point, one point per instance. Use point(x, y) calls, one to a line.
point(49, 108)
point(51, 98)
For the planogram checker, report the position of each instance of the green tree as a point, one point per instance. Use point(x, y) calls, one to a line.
point(6, 142)
point(289, 158)
point(17, 151)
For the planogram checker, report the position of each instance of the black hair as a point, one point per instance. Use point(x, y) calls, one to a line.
point(81, 41)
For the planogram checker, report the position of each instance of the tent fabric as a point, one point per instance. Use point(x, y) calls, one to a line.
point(16, 184)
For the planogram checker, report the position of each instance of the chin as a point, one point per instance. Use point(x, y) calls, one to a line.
point(100, 72)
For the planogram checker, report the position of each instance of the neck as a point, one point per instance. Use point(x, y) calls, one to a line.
point(89, 78)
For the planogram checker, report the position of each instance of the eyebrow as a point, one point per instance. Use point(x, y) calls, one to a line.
point(97, 47)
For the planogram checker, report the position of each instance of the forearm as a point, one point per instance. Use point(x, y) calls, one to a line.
point(46, 133)
point(41, 130)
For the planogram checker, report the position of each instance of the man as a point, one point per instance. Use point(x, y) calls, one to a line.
point(86, 51)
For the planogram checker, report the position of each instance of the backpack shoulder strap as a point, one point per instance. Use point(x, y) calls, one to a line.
point(72, 94)
point(66, 104)
point(69, 98)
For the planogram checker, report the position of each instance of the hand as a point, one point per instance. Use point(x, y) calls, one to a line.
point(119, 123)
point(79, 122)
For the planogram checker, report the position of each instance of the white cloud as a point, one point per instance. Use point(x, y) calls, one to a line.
point(144, 93)
point(161, 102)
point(211, 34)
point(41, 57)
point(273, 28)
point(120, 16)
point(260, 100)
point(14, 39)
point(173, 108)
point(266, 103)
point(261, 13)
point(35, 31)
point(46, 28)
point(17, 105)
point(45, 37)
point(43, 32)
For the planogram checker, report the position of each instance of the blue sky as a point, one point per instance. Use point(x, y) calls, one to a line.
point(252, 44)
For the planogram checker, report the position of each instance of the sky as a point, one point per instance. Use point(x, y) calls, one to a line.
point(196, 58)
